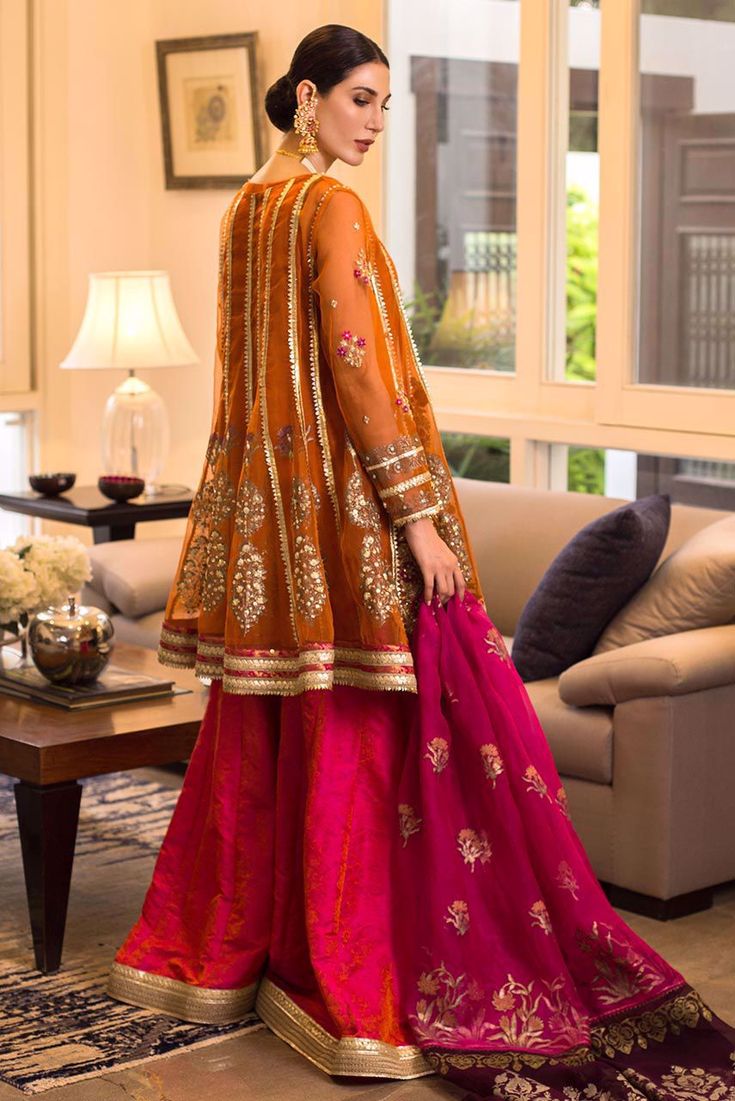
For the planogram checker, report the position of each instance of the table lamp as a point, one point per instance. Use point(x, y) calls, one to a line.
point(130, 321)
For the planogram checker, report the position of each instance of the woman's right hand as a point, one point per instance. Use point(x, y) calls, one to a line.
point(438, 564)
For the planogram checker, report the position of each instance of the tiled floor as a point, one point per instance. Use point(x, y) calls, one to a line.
point(260, 1067)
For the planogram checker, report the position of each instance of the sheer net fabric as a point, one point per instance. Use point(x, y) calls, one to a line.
point(294, 573)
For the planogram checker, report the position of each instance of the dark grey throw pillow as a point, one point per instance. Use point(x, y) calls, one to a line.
point(589, 581)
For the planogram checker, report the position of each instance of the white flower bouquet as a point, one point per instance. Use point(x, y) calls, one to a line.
point(38, 571)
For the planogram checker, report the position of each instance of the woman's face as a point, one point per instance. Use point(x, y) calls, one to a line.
point(351, 114)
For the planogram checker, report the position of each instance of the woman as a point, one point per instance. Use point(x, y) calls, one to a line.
point(372, 844)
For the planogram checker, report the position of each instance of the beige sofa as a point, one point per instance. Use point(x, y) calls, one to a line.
point(643, 736)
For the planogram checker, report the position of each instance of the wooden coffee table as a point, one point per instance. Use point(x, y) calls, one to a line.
point(49, 749)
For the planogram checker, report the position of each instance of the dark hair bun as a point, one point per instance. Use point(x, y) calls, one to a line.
point(280, 103)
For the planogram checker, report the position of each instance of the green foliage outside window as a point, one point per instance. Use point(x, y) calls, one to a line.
point(582, 239)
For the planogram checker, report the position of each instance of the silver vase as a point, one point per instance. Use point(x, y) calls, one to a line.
point(72, 644)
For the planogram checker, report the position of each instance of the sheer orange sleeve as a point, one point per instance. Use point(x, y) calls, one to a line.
point(358, 346)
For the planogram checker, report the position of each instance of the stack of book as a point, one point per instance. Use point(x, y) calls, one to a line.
point(114, 685)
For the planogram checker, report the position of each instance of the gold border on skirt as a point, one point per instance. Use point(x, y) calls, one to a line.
point(200, 1005)
point(351, 1055)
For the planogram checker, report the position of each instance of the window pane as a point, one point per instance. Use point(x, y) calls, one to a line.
point(13, 473)
point(453, 228)
point(687, 229)
point(486, 458)
point(582, 192)
point(630, 475)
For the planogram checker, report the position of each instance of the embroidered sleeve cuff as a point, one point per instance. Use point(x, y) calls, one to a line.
point(401, 476)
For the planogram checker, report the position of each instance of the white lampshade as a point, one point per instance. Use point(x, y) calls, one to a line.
point(130, 321)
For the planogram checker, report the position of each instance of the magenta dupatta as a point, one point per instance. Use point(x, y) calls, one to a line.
point(397, 880)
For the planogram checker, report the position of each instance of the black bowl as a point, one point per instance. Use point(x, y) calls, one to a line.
point(51, 484)
point(120, 487)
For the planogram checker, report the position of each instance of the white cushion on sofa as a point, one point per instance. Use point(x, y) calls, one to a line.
point(135, 575)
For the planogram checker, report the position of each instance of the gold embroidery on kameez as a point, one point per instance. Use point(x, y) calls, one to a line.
point(249, 586)
point(215, 576)
point(311, 589)
point(189, 585)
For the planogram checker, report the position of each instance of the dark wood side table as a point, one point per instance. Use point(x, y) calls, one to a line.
point(85, 505)
point(48, 750)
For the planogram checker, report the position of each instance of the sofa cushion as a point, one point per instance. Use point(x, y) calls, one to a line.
point(580, 738)
point(590, 579)
point(144, 631)
point(135, 575)
point(694, 587)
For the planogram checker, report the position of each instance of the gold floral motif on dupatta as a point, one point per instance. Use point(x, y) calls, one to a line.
point(474, 846)
point(492, 762)
point(511, 1014)
point(408, 821)
point(540, 916)
point(567, 880)
point(535, 782)
point(622, 972)
point(686, 1084)
point(459, 916)
point(437, 751)
point(215, 577)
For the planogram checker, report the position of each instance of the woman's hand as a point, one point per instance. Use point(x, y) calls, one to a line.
point(438, 564)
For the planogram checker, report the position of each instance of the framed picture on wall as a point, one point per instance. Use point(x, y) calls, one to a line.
point(211, 116)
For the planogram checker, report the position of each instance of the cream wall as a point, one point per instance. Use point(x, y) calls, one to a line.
point(101, 202)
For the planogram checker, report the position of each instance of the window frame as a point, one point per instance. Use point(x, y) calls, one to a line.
point(535, 407)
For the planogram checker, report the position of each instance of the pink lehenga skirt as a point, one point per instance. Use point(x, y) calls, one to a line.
point(395, 885)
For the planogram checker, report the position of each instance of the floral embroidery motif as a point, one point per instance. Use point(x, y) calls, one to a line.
point(540, 916)
point(248, 586)
point(562, 803)
point(567, 880)
point(302, 498)
point(376, 586)
point(496, 644)
point(363, 268)
point(474, 846)
point(284, 441)
point(408, 821)
point(250, 509)
point(361, 509)
point(441, 478)
point(622, 972)
point(402, 401)
point(409, 582)
point(214, 500)
point(437, 751)
point(309, 580)
point(696, 1084)
point(189, 586)
point(351, 348)
point(535, 782)
point(459, 916)
point(449, 1009)
point(215, 577)
point(492, 762)
point(672, 1016)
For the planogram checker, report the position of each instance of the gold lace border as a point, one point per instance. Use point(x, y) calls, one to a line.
point(201, 1005)
point(351, 1055)
point(288, 672)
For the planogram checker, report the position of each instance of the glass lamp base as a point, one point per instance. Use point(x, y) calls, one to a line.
point(135, 432)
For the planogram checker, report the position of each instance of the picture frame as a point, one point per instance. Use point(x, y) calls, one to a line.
point(211, 114)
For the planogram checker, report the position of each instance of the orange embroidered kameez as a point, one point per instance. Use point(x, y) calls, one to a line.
point(294, 573)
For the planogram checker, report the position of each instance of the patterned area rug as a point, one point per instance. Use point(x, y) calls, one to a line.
point(61, 1028)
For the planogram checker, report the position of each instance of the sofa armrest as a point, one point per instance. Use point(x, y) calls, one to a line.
point(671, 665)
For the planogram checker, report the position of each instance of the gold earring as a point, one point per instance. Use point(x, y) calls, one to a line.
point(306, 123)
